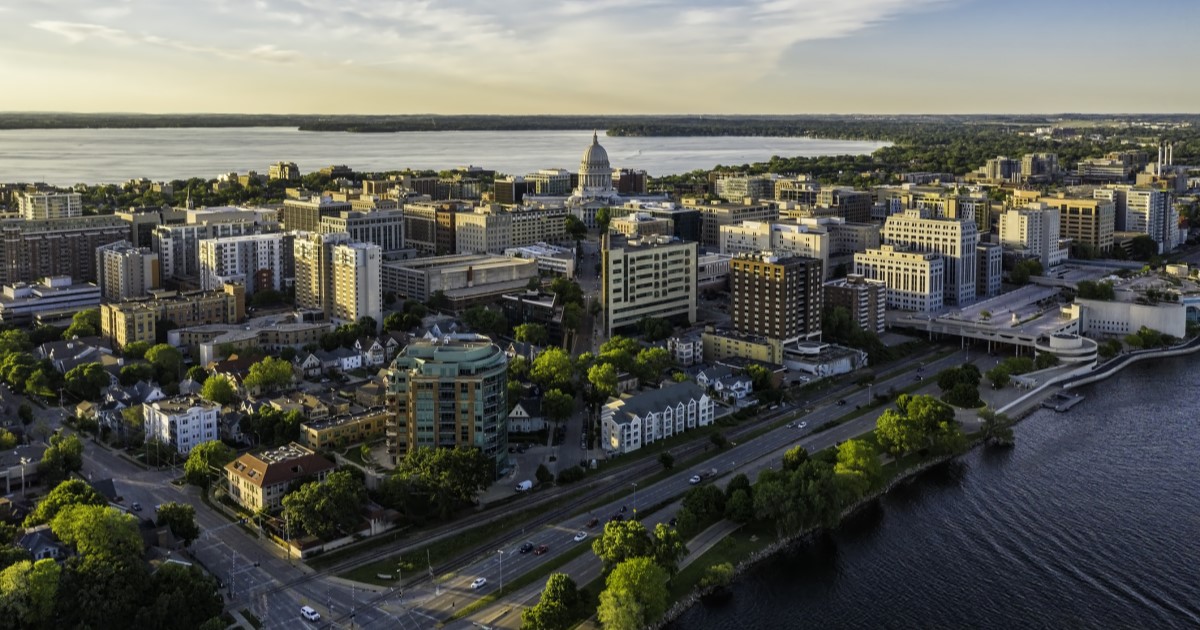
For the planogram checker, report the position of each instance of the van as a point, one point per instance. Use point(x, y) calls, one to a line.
point(524, 486)
point(309, 614)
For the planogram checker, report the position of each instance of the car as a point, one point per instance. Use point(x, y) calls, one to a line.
point(478, 583)
point(136, 507)
point(526, 548)
point(673, 521)
point(841, 401)
point(790, 425)
point(308, 613)
point(595, 521)
point(917, 377)
point(616, 517)
point(541, 549)
point(580, 536)
point(694, 479)
point(802, 425)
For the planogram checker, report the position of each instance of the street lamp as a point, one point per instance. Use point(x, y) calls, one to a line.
point(501, 552)
point(635, 501)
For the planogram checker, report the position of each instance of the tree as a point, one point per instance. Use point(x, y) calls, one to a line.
point(650, 363)
point(717, 576)
point(686, 523)
point(136, 350)
point(268, 374)
point(1022, 271)
point(485, 320)
point(181, 518)
point(740, 507)
point(134, 372)
point(667, 548)
point(438, 301)
point(95, 591)
point(66, 494)
point(98, 530)
point(543, 474)
point(603, 377)
point(996, 428)
point(25, 413)
point(706, 501)
point(181, 598)
point(1143, 247)
point(204, 459)
point(963, 395)
point(998, 376)
point(7, 439)
point(167, 361)
point(437, 481)
point(667, 460)
point(858, 468)
point(85, 323)
point(918, 422)
point(29, 592)
point(63, 457)
point(655, 328)
point(199, 374)
point(322, 508)
point(531, 332)
point(572, 316)
point(552, 369)
point(635, 595)
point(87, 381)
point(760, 377)
point(622, 540)
point(557, 406)
point(719, 440)
point(558, 607)
point(603, 218)
point(219, 389)
point(575, 228)
point(1045, 360)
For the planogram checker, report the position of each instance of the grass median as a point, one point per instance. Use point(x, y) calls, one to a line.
point(523, 580)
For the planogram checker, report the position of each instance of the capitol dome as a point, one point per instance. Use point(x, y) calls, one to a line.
point(595, 173)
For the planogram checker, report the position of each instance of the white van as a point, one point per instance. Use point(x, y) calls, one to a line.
point(308, 613)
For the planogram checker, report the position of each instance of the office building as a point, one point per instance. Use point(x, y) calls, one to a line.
point(637, 224)
point(1039, 168)
point(938, 202)
point(142, 222)
point(1145, 210)
point(51, 299)
point(36, 206)
point(550, 259)
point(629, 423)
point(271, 333)
point(429, 227)
point(465, 279)
point(384, 228)
point(492, 229)
point(356, 280)
point(511, 190)
point(34, 249)
point(990, 258)
point(646, 277)
point(685, 222)
point(182, 422)
point(124, 271)
point(287, 171)
point(915, 280)
point(178, 246)
point(802, 190)
point(737, 188)
point(1034, 231)
point(450, 392)
point(776, 296)
point(259, 481)
point(848, 204)
point(712, 271)
point(123, 323)
point(715, 215)
point(783, 238)
point(305, 215)
point(1088, 223)
point(953, 239)
point(257, 261)
point(550, 182)
point(864, 299)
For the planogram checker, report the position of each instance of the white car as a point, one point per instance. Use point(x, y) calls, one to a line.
point(478, 583)
point(580, 536)
point(695, 479)
point(802, 425)
point(308, 613)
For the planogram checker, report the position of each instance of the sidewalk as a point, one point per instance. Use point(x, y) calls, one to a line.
point(707, 539)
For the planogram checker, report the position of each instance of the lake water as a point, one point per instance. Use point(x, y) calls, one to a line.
point(1091, 521)
point(69, 156)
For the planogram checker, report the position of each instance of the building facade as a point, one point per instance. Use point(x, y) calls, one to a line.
point(1034, 230)
point(465, 279)
point(915, 280)
point(34, 249)
point(629, 423)
point(257, 261)
point(783, 238)
point(1088, 222)
point(864, 299)
point(182, 422)
point(952, 239)
point(123, 323)
point(305, 215)
point(36, 206)
point(259, 481)
point(649, 277)
point(124, 272)
point(355, 277)
point(776, 296)
point(384, 228)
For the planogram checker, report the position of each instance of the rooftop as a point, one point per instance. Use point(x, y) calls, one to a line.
point(279, 465)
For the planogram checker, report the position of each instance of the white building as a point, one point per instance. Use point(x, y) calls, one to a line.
point(952, 239)
point(551, 259)
point(686, 350)
point(183, 422)
point(629, 423)
point(357, 282)
point(648, 277)
point(50, 205)
point(1120, 318)
point(782, 238)
point(53, 297)
point(915, 280)
point(712, 271)
point(1034, 230)
point(178, 246)
point(258, 261)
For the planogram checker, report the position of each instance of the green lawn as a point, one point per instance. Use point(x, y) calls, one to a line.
point(733, 549)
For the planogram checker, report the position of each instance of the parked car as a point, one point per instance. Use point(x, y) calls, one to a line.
point(308, 613)
point(526, 548)
point(541, 550)
point(580, 536)
point(478, 583)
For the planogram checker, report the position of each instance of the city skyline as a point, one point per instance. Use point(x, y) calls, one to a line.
point(618, 57)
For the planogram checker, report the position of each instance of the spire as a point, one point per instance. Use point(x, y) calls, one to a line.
point(595, 140)
point(189, 197)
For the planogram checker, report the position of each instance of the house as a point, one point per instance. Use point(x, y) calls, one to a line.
point(183, 422)
point(259, 481)
point(377, 351)
point(626, 383)
point(234, 367)
point(628, 423)
point(69, 353)
point(526, 416)
point(729, 384)
point(42, 544)
point(321, 362)
point(522, 349)
point(309, 366)
point(373, 393)
point(687, 349)
point(109, 411)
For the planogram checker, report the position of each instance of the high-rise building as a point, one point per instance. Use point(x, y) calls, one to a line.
point(511, 190)
point(50, 205)
point(848, 203)
point(953, 239)
point(384, 228)
point(865, 300)
point(646, 277)
point(124, 271)
point(685, 222)
point(1034, 230)
point(492, 229)
point(778, 297)
point(1000, 170)
point(939, 203)
point(1145, 210)
point(449, 392)
point(30, 250)
point(548, 182)
point(429, 227)
point(305, 214)
point(1039, 167)
point(736, 187)
point(178, 246)
point(356, 283)
point(641, 224)
point(257, 261)
point(142, 222)
point(1087, 222)
point(313, 254)
point(915, 280)
point(715, 215)
point(990, 260)
point(783, 238)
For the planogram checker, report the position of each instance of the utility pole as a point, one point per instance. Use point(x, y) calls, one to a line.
point(501, 552)
point(437, 588)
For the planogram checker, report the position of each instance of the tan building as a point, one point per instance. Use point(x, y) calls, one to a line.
point(50, 205)
point(356, 269)
point(492, 229)
point(915, 280)
point(865, 300)
point(271, 333)
point(647, 277)
point(642, 224)
point(714, 215)
point(466, 279)
point(1090, 222)
point(727, 344)
point(783, 238)
point(341, 431)
point(938, 203)
point(258, 482)
point(305, 215)
point(384, 227)
point(313, 254)
point(126, 322)
point(287, 171)
point(125, 272)
point(778, 297)
point(35, 249)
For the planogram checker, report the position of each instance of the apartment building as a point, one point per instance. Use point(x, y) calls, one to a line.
point(549, 182)
point(493, 229)
point(736, 187)
point(36, 206)
point(637, 224)
point(257, 261)
point(429, 227)
point(178, 246)
point(916, 281)
point(182, 422)
point(123, 323)
point(384, 228)
point(449, 392)
point(124, 271)
point(864, 299)
point(783, 238)
point(1144, 210)
point(776, 296)
point(631, 422)
point(1034, 230)
point(953, 239)
point(938, 202)
point(715, 215)
point(990, 258)
point(356, 283)
point(646, 277)
point(305, 215)
point(848, 204)
point(259, 481)
point(34, 249)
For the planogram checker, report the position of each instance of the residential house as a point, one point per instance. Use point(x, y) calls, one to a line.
point(526, 416)
point(71, 353)
point(321, 362)
point(527, 351)
point(377, 351)
point(725, 382)
point(373, 393)
point(626, 383)
point(630, 422)
point(686, 350)
point(108, 412)
point(259, 481)
point(42, 544)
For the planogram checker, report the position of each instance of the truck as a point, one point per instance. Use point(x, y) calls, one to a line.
point(524, 486)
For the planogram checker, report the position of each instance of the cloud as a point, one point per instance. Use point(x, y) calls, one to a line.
point(76, 32)
point(267, 52)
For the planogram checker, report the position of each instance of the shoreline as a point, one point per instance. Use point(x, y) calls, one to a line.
point(1022, 408)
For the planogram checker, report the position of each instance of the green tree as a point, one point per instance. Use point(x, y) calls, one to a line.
point(572, 316)
point(98, 530)
point(858, 468)
point(181, 598)
point(717, 576)
point(963, 395)
point(438, 301)
point(87, 381)
point(635, 595)
point(557, 406)
point(667, 460)
point(996, 429)
point(706, 501)
point(575, 228)
point(760, 377)
point(1045, 360)
point(603, 218)
point(28, 593)
point(667, 548)
point(136, 350)
point(718, 440)
point(219, 389)
point(686, 523)
point(269, 374)
point(998, 376)
point(558, 607)
point(437, 481)
point(68, 493)
point(63, 457)
point(323, 508)
point(134, 372)
point(650, 363)
point(740, 507)
point(167, 361)
point(622, 540)
point(198, 373)
point(543, 474)
point(7, 439)
point(552, 369)
point(531, 332)
point(98, 591)
point(25, 413)
point(181, 519)
point(85, 323)
point(205, 460)
point(603, 378)
point(655, 329)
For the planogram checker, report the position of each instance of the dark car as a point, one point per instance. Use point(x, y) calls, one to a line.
point(541, 550)
point(673, 521)
point(616, 517)
point(595, 520)
point(527, 547)
point(842, 401)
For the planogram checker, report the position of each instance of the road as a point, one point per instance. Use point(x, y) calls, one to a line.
point(425, 602)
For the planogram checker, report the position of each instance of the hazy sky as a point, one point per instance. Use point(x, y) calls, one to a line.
point(614, 56)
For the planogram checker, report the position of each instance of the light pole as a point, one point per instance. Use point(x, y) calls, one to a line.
point(501, 552)
point(635, 502)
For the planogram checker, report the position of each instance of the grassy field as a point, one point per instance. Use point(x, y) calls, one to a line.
point(732, 549)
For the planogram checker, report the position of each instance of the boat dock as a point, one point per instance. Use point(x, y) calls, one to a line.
point(1062, 401)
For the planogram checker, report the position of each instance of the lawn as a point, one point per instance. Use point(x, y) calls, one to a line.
point(732, 549)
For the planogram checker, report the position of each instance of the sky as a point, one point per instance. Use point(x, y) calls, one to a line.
point(598, 56)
